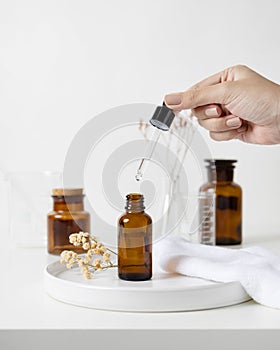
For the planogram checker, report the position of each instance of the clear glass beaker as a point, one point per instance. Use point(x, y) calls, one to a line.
point(29, 203)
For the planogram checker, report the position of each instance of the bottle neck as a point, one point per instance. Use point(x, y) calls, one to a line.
point(69, 203)
point(220, 175)
point(134, 203)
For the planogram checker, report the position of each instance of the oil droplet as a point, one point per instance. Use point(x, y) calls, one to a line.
point(138, 176)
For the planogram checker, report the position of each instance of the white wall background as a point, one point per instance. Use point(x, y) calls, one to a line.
point(63, 61)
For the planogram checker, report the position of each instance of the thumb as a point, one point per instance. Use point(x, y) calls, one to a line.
point(196, 97)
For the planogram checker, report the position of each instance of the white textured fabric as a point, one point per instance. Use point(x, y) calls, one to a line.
point(255, 268)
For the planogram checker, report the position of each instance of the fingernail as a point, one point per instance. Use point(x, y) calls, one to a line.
point(233, 122)
point(173, 99)
point(211, 112)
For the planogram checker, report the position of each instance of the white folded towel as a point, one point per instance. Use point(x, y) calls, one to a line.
point(255, 268)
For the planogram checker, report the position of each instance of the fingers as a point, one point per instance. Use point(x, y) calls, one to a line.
point(222, 128)
point(229, 135)
point(221, 124)
point(196, 97)
point(209, 111)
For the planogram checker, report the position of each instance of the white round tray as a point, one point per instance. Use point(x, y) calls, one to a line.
point(163, 293)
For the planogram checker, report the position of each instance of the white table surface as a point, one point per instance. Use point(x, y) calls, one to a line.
point(25, 305)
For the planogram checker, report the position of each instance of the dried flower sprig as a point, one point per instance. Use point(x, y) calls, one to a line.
point(89, 263)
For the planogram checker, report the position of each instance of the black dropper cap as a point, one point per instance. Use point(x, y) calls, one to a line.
point(162, 117)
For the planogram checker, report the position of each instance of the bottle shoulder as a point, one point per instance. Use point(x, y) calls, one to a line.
point(142, 217)
point(61, 214)
point(221, 184)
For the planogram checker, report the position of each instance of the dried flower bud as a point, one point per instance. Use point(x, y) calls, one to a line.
point(86, 246)
point(97, 263)
point(88, 275)
point(84, 269)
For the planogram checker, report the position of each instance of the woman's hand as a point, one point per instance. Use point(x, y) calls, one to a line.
point(236, 103)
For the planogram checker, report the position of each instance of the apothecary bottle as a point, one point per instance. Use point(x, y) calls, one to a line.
point(68, 216)
point(135, 241)
point(228, 201)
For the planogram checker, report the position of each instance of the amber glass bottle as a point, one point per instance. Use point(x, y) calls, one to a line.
point(135, 241)
point(68, 216)
point(228, 198)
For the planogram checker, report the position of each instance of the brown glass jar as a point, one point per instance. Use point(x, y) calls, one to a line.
point(135, 241)
point(68, 216)
point(228, 201)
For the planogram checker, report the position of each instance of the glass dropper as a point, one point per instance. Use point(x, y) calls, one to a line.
point(148, 153)
point(161, 120)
